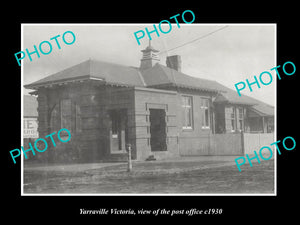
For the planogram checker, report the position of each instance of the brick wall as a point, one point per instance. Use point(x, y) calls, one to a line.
point(194, 141)
point(146, 99)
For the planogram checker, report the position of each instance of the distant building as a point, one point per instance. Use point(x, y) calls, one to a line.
point(159, 110)
point(30, 121)
point(30, 117)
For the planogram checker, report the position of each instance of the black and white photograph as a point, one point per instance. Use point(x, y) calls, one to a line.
point(149, 111)
point(158, 114)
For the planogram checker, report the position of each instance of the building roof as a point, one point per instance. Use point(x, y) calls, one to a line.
point(160, 75)
point(93, 69)
point(30, 106)
point(149, 48)
point(231, 96)
point(156, 76)
point(111, 73)
point(263, 109)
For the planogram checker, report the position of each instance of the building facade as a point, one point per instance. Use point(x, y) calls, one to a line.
point(159, 110)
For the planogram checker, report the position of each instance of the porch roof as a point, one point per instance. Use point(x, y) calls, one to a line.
point(230, 96)
point(263, 109)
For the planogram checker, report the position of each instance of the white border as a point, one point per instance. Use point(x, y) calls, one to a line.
point(22, 108)
point(158, 194)
point(275, 117)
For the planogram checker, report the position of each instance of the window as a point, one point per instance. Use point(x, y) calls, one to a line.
point(78, 118)
point(66, 114)
point(241, 118)
point(115, 122)
point(55, 123)
point(205, 113)
point(187, 106)
point(232, 119)
point(70, 115)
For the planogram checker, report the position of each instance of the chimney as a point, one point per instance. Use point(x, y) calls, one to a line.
point(174, 62)
point(150, 57)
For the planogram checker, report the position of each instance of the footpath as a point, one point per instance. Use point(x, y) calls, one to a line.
point(174, 165)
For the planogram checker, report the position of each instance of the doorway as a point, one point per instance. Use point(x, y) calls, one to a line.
point(158, 130)
point(118, 130)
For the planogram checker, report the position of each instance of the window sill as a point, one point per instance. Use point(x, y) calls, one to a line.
point(187, 129)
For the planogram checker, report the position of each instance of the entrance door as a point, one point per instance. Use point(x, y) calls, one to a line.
point(158, 130)
point(118, 130)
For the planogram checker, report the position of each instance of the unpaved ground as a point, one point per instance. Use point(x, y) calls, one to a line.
point(181, 177)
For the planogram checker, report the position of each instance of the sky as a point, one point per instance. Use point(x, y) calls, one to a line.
point(231, 55)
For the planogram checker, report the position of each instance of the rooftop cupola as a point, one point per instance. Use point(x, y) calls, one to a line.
point(150, 57)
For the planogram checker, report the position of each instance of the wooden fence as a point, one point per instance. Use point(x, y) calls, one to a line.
point(254, 142)
point(225, 144)
point(212, 144)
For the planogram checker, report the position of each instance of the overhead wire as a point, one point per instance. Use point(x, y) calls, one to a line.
point(201, 37)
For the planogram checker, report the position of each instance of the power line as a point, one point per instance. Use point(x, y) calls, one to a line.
point(204, 36)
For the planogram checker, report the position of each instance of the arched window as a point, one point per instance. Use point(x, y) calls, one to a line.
point(65, 114)
point(55, 118)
